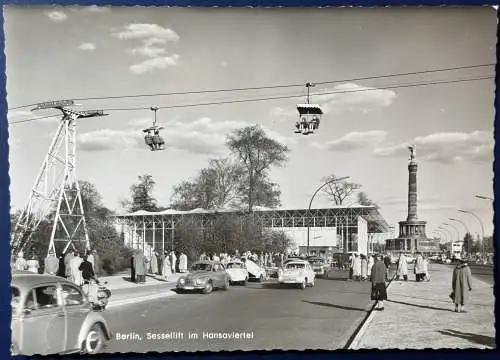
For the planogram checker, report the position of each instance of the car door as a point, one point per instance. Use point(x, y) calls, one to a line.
point(76, 309)
point(43, 322)
point(222, 274)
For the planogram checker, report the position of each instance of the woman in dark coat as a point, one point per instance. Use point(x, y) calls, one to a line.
point(132, 268)
point(461, 284)
point(379, 292)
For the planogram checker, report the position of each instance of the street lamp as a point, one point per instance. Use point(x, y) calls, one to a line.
point(453, 226)
point(466, 232)
point(480, 222)
point(312, 198)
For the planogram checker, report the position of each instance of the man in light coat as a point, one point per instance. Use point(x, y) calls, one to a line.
point(173, 262)
point(419, 268)
point(183, 263)
point(356, 268)
point(402, 267)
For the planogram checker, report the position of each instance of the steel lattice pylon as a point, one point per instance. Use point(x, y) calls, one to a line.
point(56, 191)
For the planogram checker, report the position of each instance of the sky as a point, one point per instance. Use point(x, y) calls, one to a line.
point(79, 52)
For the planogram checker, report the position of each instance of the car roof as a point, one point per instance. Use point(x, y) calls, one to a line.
point(297, 262)
point(25, 280)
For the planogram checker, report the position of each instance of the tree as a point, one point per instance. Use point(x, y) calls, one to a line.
point(364, 200)
point(468, 243)
point(339, 191)
point(265, 193)
point(257, 154)
point(141, 195)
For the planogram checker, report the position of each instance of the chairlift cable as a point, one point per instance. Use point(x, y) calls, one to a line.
point(270, 86)
point(408, 85)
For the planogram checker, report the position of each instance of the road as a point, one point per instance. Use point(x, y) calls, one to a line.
point(270, 316)
point(483, 272)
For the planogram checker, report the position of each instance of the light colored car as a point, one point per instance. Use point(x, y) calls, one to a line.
point(237, 272)
point(297, 272)
point(51, 315)
point(205, 276)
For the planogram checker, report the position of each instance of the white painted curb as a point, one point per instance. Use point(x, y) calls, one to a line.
point(361, 333)
point(139, 299)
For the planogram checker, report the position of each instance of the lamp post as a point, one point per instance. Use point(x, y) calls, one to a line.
point(312, 198)
point(453, 226)
point(480, 222)
point(466, 232)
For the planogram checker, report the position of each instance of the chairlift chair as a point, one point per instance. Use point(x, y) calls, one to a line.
point(310, 116)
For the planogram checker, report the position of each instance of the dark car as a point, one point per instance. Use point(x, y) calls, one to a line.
point(51, 315)
point(204, 276)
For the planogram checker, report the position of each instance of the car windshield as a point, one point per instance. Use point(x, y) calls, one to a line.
point(201, 267)
point(15, 299)
point(235, 266)
point(295, 266)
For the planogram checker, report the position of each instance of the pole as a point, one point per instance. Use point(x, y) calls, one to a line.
point(312, 198)
point(458, 233)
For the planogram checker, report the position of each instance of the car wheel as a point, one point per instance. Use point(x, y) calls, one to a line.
point(226, 284)
point(304, 284)
point(208, 288)
point(95, 340)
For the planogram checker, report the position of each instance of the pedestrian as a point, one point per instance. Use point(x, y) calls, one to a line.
point(461, 285)
point(132, 266)
point(387, 263)
point(427, 276)
point(20, 264)
point(369, 267)
point(378, 275)
point(51, 264)
point(419, 268)
point(61, 271)
point(33, 264)
point(90, 259)
point(67, 264)
point(140, 266)
point(356, 268)
point(183, 262)
point(351, 266)
point(402, 268)
point(76, 274)
point(173, 261)
point(364, 267)
point(167, 268)
point(154, 263)
point(87, 271)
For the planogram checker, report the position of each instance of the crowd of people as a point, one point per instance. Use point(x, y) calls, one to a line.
point(79, 268)
point(164, 265)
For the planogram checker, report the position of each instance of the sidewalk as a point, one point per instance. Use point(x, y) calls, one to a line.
point(125, 292)
point(421, 316)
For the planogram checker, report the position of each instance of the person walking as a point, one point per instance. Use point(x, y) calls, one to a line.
point(387, 263)
point(364, 267)
point(173, 262)
point(76, 274)
point(154, 263)
point(166, 271)
point(369, 267)
point(356, 268)
point(132, 266)
point(427, 276)
point(378, 277)
point(140, 266)
point(67, 263)
point(402, 268)
point(419, 268)
point(183, 262)
point(461, 285)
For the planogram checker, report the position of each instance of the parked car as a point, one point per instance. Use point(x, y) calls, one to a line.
point(318, 264)
point(51, 315)
point(237, 272)
point(297, 272)
point(205, 276)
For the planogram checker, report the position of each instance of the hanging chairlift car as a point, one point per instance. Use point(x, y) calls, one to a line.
point(154, 140)
point(310, 117)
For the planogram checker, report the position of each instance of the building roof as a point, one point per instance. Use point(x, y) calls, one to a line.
point(369, 213)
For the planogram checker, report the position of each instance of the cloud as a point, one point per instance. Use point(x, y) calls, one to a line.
point(147, 31)
point(224, 63)
point(148, 51)
point(203, 136)
point(355, 141)
point(476, 146)
point(155, 63)
point(352, 97)
point(87, 46)
point(57, 16)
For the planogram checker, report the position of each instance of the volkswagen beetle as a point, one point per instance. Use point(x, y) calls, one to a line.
point(51, 315)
